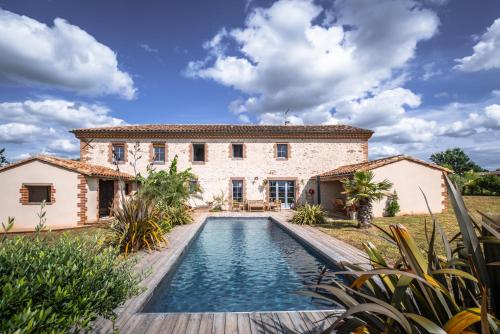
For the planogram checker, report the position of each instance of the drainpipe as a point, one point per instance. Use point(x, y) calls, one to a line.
point(318, 188)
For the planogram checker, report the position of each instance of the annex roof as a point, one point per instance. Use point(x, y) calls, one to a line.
point(369, 165)
point(76, 166)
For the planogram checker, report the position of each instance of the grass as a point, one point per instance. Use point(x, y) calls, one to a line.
point(346, 230)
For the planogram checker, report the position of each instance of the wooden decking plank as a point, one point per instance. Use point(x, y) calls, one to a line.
point(219, 323)
point(193, 326)
point(231, 323)
point(168, 323)
point(312, 324)
point(244, 323)
point(181, 323)
point(139, 324)
point(255, 323)
point(286, 323)
point(270, 323)
point(298, 323)
point(207, 320)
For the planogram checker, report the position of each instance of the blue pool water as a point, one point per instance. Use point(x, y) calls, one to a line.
point(240, 265)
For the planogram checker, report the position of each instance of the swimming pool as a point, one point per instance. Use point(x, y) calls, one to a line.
point(240, 265)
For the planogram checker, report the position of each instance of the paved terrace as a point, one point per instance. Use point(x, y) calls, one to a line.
point(130, 320)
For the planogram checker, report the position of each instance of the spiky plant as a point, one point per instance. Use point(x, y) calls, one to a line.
point(309, 215)
point(423, 292)
point(135, 226)
point(361, 190)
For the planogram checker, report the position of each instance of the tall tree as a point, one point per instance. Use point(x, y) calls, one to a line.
point(457, 160)
point(3, 159)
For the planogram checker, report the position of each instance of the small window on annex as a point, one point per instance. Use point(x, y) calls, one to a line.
point(199, 152)
point(237, 151)
point(38, 194)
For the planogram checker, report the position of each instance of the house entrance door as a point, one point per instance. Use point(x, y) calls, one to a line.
point(106, 196)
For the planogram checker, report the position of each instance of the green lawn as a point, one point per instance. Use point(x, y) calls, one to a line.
point(347, 231)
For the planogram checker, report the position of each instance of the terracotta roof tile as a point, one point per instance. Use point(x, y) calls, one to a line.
point(224, 130)
point(369, 165)
point(76, 166)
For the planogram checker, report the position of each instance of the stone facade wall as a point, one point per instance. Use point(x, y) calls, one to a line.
point(308, 158)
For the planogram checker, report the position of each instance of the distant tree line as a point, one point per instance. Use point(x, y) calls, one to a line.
point(466, 173)
point(3, 159)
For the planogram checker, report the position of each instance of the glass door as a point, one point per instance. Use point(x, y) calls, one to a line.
point(284, 191)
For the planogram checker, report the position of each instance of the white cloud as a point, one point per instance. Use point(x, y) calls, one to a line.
point(62, 56)
point(408, 130)
point(19, 133)
point(486, 54)
point(386, 108)
point(42, 126)
point(430, 71)
point(285, 61)
point(380, 151)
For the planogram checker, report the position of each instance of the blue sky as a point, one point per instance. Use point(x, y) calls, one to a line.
point(424, 75)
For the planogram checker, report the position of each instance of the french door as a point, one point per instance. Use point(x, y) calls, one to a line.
point(284, 191)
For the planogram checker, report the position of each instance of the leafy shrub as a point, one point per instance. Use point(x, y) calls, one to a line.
point(309, 215)
point(136, 225)
point(62, 285)
point(422, 292)
point(168, 188)
point(176, 215)
point(392, 207)
point(218, 202)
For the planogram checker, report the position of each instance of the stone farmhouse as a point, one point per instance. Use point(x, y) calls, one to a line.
point(294, 164)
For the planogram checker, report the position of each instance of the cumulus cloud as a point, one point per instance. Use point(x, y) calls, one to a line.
point(42, 126)
point(380, 151)
point(385, 108)
point(62, 56)
point(285, 60)
point(486, 53)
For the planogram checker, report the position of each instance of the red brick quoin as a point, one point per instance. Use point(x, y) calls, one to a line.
point(82, 199)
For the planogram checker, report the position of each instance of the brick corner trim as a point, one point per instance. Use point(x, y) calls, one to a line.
point(444, 193)
point(82, 199)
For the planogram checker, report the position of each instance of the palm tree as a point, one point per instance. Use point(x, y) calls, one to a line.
point(361, 191)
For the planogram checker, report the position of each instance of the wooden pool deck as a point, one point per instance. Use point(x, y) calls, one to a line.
point(157, 264)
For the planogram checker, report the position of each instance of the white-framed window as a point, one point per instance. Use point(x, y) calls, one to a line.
point(118, 152)
point(237, 190)
point(282, 151)
point(159, 153)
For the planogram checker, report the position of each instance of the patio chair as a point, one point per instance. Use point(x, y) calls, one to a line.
point(236, 206)
point(256, 205)
point(275, 205)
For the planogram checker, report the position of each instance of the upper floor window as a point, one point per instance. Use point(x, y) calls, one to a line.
point(199, 152)
point(38, 194)
point(282, 151)
point(118, 153)
point(237, 151)
point(159, 153)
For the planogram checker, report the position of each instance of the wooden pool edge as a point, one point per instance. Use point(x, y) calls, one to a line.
point(131, 320)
